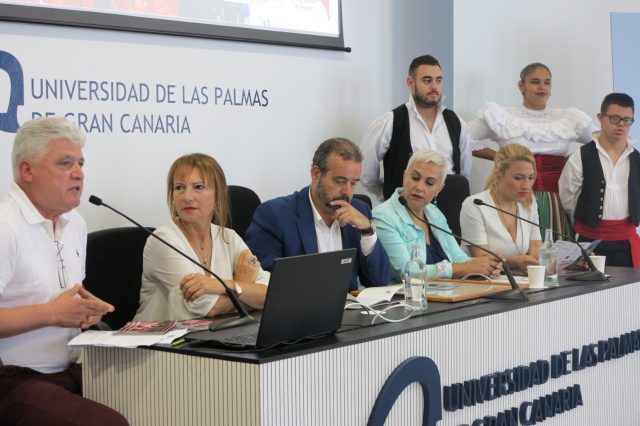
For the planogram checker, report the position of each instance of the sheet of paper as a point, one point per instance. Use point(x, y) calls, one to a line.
point(372, 295)
point(169, 337)
point(569, 252)
point(518, 278)
point(111, 338)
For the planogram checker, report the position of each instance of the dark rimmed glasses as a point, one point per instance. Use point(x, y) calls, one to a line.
point(615, 119)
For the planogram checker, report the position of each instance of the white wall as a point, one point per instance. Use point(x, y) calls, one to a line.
point(313, 95)
point(495, 39)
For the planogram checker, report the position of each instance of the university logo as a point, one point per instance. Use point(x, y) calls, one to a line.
point(9, 119)
point(416, 369)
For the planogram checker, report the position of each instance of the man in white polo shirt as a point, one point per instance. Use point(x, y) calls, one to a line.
point(42, 302)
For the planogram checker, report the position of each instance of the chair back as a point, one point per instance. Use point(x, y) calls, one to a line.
point(365, 198)
point(449, 201)
point(114, 270)
point(244, 202)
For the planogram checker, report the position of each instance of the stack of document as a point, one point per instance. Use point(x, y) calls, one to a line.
point(121, 340)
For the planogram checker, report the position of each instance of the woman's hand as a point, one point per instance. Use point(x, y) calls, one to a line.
point(522, 261)
point(247, 267)
point(484, 265)
point(582, 263)
point(196, 285)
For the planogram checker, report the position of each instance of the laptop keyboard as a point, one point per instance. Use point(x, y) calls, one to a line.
point(244, 339)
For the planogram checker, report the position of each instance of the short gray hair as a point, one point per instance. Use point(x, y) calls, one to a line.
point(429, 156)
point(34, 135)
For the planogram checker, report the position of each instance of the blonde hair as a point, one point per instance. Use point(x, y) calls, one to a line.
point(213, 177)
point(505, 157)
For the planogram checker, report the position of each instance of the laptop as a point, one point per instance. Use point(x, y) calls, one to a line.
point(305, 298)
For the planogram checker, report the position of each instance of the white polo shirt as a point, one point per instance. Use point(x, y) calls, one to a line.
point(31, 273)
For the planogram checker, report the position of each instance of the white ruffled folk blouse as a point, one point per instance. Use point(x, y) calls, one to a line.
point(549, 131)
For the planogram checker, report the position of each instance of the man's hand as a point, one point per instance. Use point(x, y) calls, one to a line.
point(346, 214)
point(77, 307)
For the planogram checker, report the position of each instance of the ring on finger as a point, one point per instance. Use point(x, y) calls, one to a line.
point(253, 260)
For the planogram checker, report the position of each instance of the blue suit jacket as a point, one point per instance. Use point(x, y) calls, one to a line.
point(284, 227)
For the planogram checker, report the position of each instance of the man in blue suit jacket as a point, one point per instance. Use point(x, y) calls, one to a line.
point(323, 217)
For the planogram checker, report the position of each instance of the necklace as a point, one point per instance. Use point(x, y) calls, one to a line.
point(203, 248)
point(202, 255)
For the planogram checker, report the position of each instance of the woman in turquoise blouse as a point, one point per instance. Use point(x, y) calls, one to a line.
point(398, 230)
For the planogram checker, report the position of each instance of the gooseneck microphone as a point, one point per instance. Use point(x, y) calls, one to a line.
point(593, 275)
point(244, 317)
point(515, 294)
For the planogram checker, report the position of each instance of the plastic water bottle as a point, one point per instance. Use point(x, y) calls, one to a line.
point(548, 257)
point(415, 280)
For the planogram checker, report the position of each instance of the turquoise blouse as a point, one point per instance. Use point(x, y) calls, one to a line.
point(398, 234)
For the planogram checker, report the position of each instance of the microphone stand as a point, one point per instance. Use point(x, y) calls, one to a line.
point(244, 317)
point(593, 275)
point(515, 294)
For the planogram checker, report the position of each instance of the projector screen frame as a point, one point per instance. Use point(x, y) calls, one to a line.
point(158, 25)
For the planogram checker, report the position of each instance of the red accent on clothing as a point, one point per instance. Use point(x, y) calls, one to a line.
point(613, 230)
point(548, 168)
point(30, 397)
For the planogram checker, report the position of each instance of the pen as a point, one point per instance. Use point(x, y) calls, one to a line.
point(178, 342)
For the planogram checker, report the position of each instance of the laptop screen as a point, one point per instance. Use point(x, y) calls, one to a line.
point(306, 296)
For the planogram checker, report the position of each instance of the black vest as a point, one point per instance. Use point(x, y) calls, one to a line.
point(591, 199)
point(397, 157)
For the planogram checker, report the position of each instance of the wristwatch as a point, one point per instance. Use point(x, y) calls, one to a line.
point(237, 290)
point(367, 232)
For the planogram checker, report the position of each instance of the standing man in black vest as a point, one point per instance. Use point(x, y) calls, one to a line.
point(605, 201)
point(420, 123)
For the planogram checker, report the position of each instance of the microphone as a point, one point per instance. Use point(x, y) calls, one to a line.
point(593, 275)
point(515, 294)
point(244, 317)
